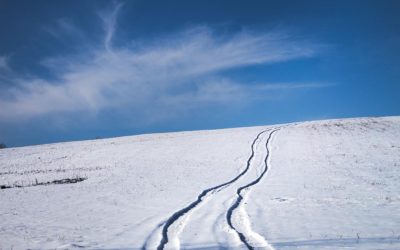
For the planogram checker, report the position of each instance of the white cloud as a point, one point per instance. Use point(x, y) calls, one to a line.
point(109, 23)
point(147, 80)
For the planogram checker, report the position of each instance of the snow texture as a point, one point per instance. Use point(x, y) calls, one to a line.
point(314, 185)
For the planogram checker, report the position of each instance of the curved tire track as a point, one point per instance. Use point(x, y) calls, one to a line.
point(171, 220)
point(240, 196)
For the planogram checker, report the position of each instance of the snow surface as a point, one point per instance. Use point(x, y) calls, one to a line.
point(315, 185)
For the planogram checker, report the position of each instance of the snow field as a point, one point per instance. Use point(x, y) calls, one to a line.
point(328, 185)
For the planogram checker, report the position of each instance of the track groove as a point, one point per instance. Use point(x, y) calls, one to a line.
point(240, 196)
point(171, 220)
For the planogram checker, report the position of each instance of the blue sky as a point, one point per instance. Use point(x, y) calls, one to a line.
point(72, 70)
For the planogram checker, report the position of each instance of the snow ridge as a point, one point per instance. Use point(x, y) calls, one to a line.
point(247, 237)
point(177, 215)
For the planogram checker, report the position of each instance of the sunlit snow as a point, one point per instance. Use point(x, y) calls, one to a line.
point(311, 185)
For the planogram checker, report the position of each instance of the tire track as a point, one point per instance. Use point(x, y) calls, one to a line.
point(240, 197)
point(171, 220)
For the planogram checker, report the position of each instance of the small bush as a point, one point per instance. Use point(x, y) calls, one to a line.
point(2, 145)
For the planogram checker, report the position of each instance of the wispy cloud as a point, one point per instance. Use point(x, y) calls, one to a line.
point(178, 72)
point(63, 28)
point(224, 91)
point(3, 63)
point(109, 23)
point(6, 75)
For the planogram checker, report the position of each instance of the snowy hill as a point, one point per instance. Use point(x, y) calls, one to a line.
point(314, 185)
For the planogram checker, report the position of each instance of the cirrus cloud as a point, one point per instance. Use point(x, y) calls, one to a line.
point(177, 72)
